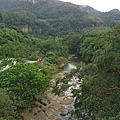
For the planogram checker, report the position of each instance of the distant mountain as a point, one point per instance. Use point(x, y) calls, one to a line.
point(110, 18)
point(32, 1)
point(112, 15)
point(52, 17)
point(89, 10)
point(5, 4)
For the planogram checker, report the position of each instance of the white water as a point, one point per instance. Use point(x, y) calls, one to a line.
point(70, 67)
point(14, 62)
point(7, 66)
point(74, 84)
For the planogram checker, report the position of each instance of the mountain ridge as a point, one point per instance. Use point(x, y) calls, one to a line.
point(53, 17)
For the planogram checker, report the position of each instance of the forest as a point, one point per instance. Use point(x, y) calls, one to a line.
point(55, 18)
point(100, 89)
point(53, 32)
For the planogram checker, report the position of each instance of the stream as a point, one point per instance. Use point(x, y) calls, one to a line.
point(74, 84)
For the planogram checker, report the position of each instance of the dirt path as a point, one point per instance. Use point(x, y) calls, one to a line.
point(46, 106)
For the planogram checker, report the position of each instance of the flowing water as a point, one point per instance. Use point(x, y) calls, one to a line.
point(70, 67)
point(74, 84)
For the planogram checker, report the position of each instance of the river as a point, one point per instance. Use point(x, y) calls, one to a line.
point(62, 114)
point(74, 84)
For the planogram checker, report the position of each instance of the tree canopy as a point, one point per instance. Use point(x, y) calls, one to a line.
point(51, 30)
point(99, 94)
point(52, 18)
point(21, 82)
point(100, 91)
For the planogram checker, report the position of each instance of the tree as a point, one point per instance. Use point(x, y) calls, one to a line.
point(7, 108)
point(1, 18)
point(99, 94)
point(100, 90)
point(1, 21)
point(23, 82)
point(73, 41)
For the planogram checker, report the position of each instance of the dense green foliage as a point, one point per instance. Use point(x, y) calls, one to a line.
point(1, 21)
point(16, 44)
point(1, 18)
point(51, 18)
point(50, 21)
point(73, 40)
point(22, 82)
point(100, 89)
point(7, 109)
point(101, 85)
point(110, 18)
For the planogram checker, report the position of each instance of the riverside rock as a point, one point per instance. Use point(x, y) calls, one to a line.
point(45, 107)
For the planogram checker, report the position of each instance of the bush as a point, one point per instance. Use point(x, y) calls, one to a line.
point(7, 109)
point(23, 81)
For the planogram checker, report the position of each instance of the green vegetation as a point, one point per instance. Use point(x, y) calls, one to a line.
point(7, 108)
point(52, 30)
point(1, 21)
point(100, 89)
point(21, 82)
point(99, 98)
point(1, 18)
point(52, 18)
point(16, 44)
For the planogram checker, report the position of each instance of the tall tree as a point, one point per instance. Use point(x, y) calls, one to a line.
point(23, 82)
point(100, 90)
point(1, 18)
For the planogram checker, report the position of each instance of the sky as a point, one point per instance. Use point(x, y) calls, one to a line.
point(101, 5)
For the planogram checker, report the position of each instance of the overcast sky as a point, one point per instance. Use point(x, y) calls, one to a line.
point(101, 5)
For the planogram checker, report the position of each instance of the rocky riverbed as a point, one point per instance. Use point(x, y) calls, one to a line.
point(47, 105)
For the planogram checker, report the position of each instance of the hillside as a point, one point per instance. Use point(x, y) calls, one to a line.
point(38, 38)
point(110, 18)
point(89, 10)
point(52, 17)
